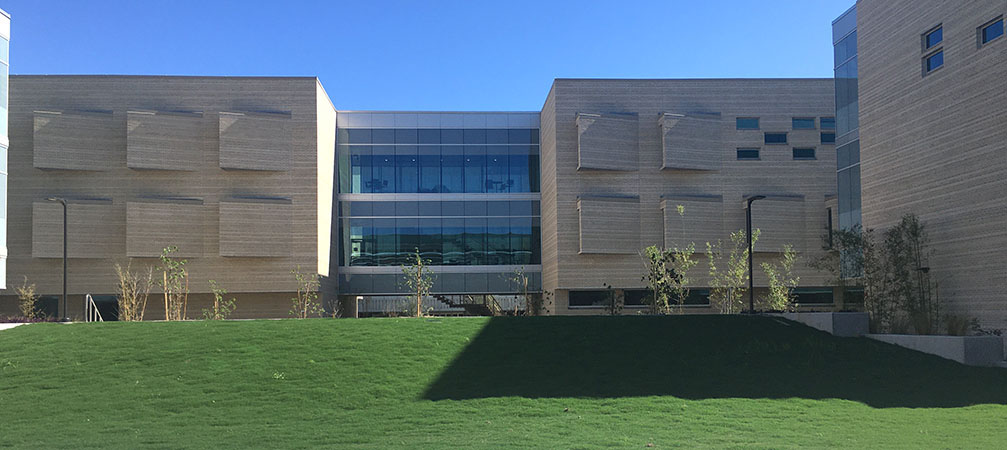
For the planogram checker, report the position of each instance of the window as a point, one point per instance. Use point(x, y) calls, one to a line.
point(933, 37)
point(934, 57)
point(804, 153)
point(933, 62)
point(804, 123)
point(813, 296)
point(991, 31)
point(776, 138)
point(828, 138)
point(747, 123)
point(588, 299)
point(635, 297)
point(828, 123)
point(748, 153)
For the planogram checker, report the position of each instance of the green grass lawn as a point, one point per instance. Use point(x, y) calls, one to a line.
point(554, 382)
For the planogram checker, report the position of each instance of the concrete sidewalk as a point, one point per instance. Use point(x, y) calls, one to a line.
point(4, 326)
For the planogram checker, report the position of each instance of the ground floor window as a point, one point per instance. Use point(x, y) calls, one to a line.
point(813, 296)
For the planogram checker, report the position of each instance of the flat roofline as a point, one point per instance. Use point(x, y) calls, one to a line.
point(379, 111)
point(221, 77)
point(5, 13)
point(848, 11)
point(692, 79)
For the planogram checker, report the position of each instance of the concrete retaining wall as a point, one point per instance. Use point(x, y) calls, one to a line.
point(843, 324)
point(969, 350)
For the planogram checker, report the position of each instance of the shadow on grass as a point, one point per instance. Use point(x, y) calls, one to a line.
point(703, 357)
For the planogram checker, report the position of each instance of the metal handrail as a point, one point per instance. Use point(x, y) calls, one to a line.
point(91, 313)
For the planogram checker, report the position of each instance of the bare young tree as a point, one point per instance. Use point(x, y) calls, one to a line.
point(782, 281)
point(222, 306)
point(305, 304)
point(175, 282)
point(27, 297)
point(729, 271)
point(134, 289)
point(419, 279)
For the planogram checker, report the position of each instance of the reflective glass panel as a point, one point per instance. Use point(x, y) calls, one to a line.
point(747, 123)
point(382, 169)
point(406, 169)
point(993, 31)
point(803, 123)
point(934, 37)
point(475, 168)
point(935, 61)
point(452, 169)
point(430, 168)
point(776, 138)
point(453, 241)
point(497, 170)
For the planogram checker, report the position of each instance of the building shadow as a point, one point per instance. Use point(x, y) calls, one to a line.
point(703, 357)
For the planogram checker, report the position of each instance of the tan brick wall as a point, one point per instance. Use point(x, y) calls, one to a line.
point(776, 102)
point(934, 145)
point(151, 208)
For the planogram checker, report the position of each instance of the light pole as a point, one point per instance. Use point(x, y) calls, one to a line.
point(66, 314)
point(751, 282)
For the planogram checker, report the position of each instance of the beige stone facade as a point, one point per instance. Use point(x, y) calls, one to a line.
point(934, 144)
point(235, 172)
point(619, 157)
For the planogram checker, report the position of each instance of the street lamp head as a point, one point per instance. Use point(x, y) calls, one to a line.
point(754, 198)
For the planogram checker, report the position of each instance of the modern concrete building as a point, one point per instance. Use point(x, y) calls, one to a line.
point(252, 177)
point(4, 140)
point(620, 156)
point(933, 135)
point(237, 173)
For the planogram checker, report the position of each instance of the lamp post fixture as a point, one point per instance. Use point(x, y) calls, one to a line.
point(66, 314)
point(748, 232)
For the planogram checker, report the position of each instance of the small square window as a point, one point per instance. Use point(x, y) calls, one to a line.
point(747, 123)
point(804, 153)
point(991, 31)
point(776, 138)
point(933, 62)
point(933, 37)
point(828, 123)
point(748, 153)
point(804, 123)
point(828, 138)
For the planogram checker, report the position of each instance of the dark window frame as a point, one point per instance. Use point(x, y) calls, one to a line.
point(828, 142)
point(925, 38)
point(927, 70)
point(786, 138)
point(794, 120)
point(981, 31)
point(737, 124)
point(814, 154)
point(821, 123)
point(758, 153)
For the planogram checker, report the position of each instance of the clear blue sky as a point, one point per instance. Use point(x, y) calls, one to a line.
point(427, 55)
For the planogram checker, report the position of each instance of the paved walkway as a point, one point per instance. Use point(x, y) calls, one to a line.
point(4, 326)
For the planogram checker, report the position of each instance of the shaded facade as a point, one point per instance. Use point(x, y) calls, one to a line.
point(933, 133)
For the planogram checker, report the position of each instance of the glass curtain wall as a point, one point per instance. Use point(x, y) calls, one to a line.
point(844, 34)
point(439, 161)
point(466, 233)
point(460, 195)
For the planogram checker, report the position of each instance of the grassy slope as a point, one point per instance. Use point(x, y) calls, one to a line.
point(626, 382)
